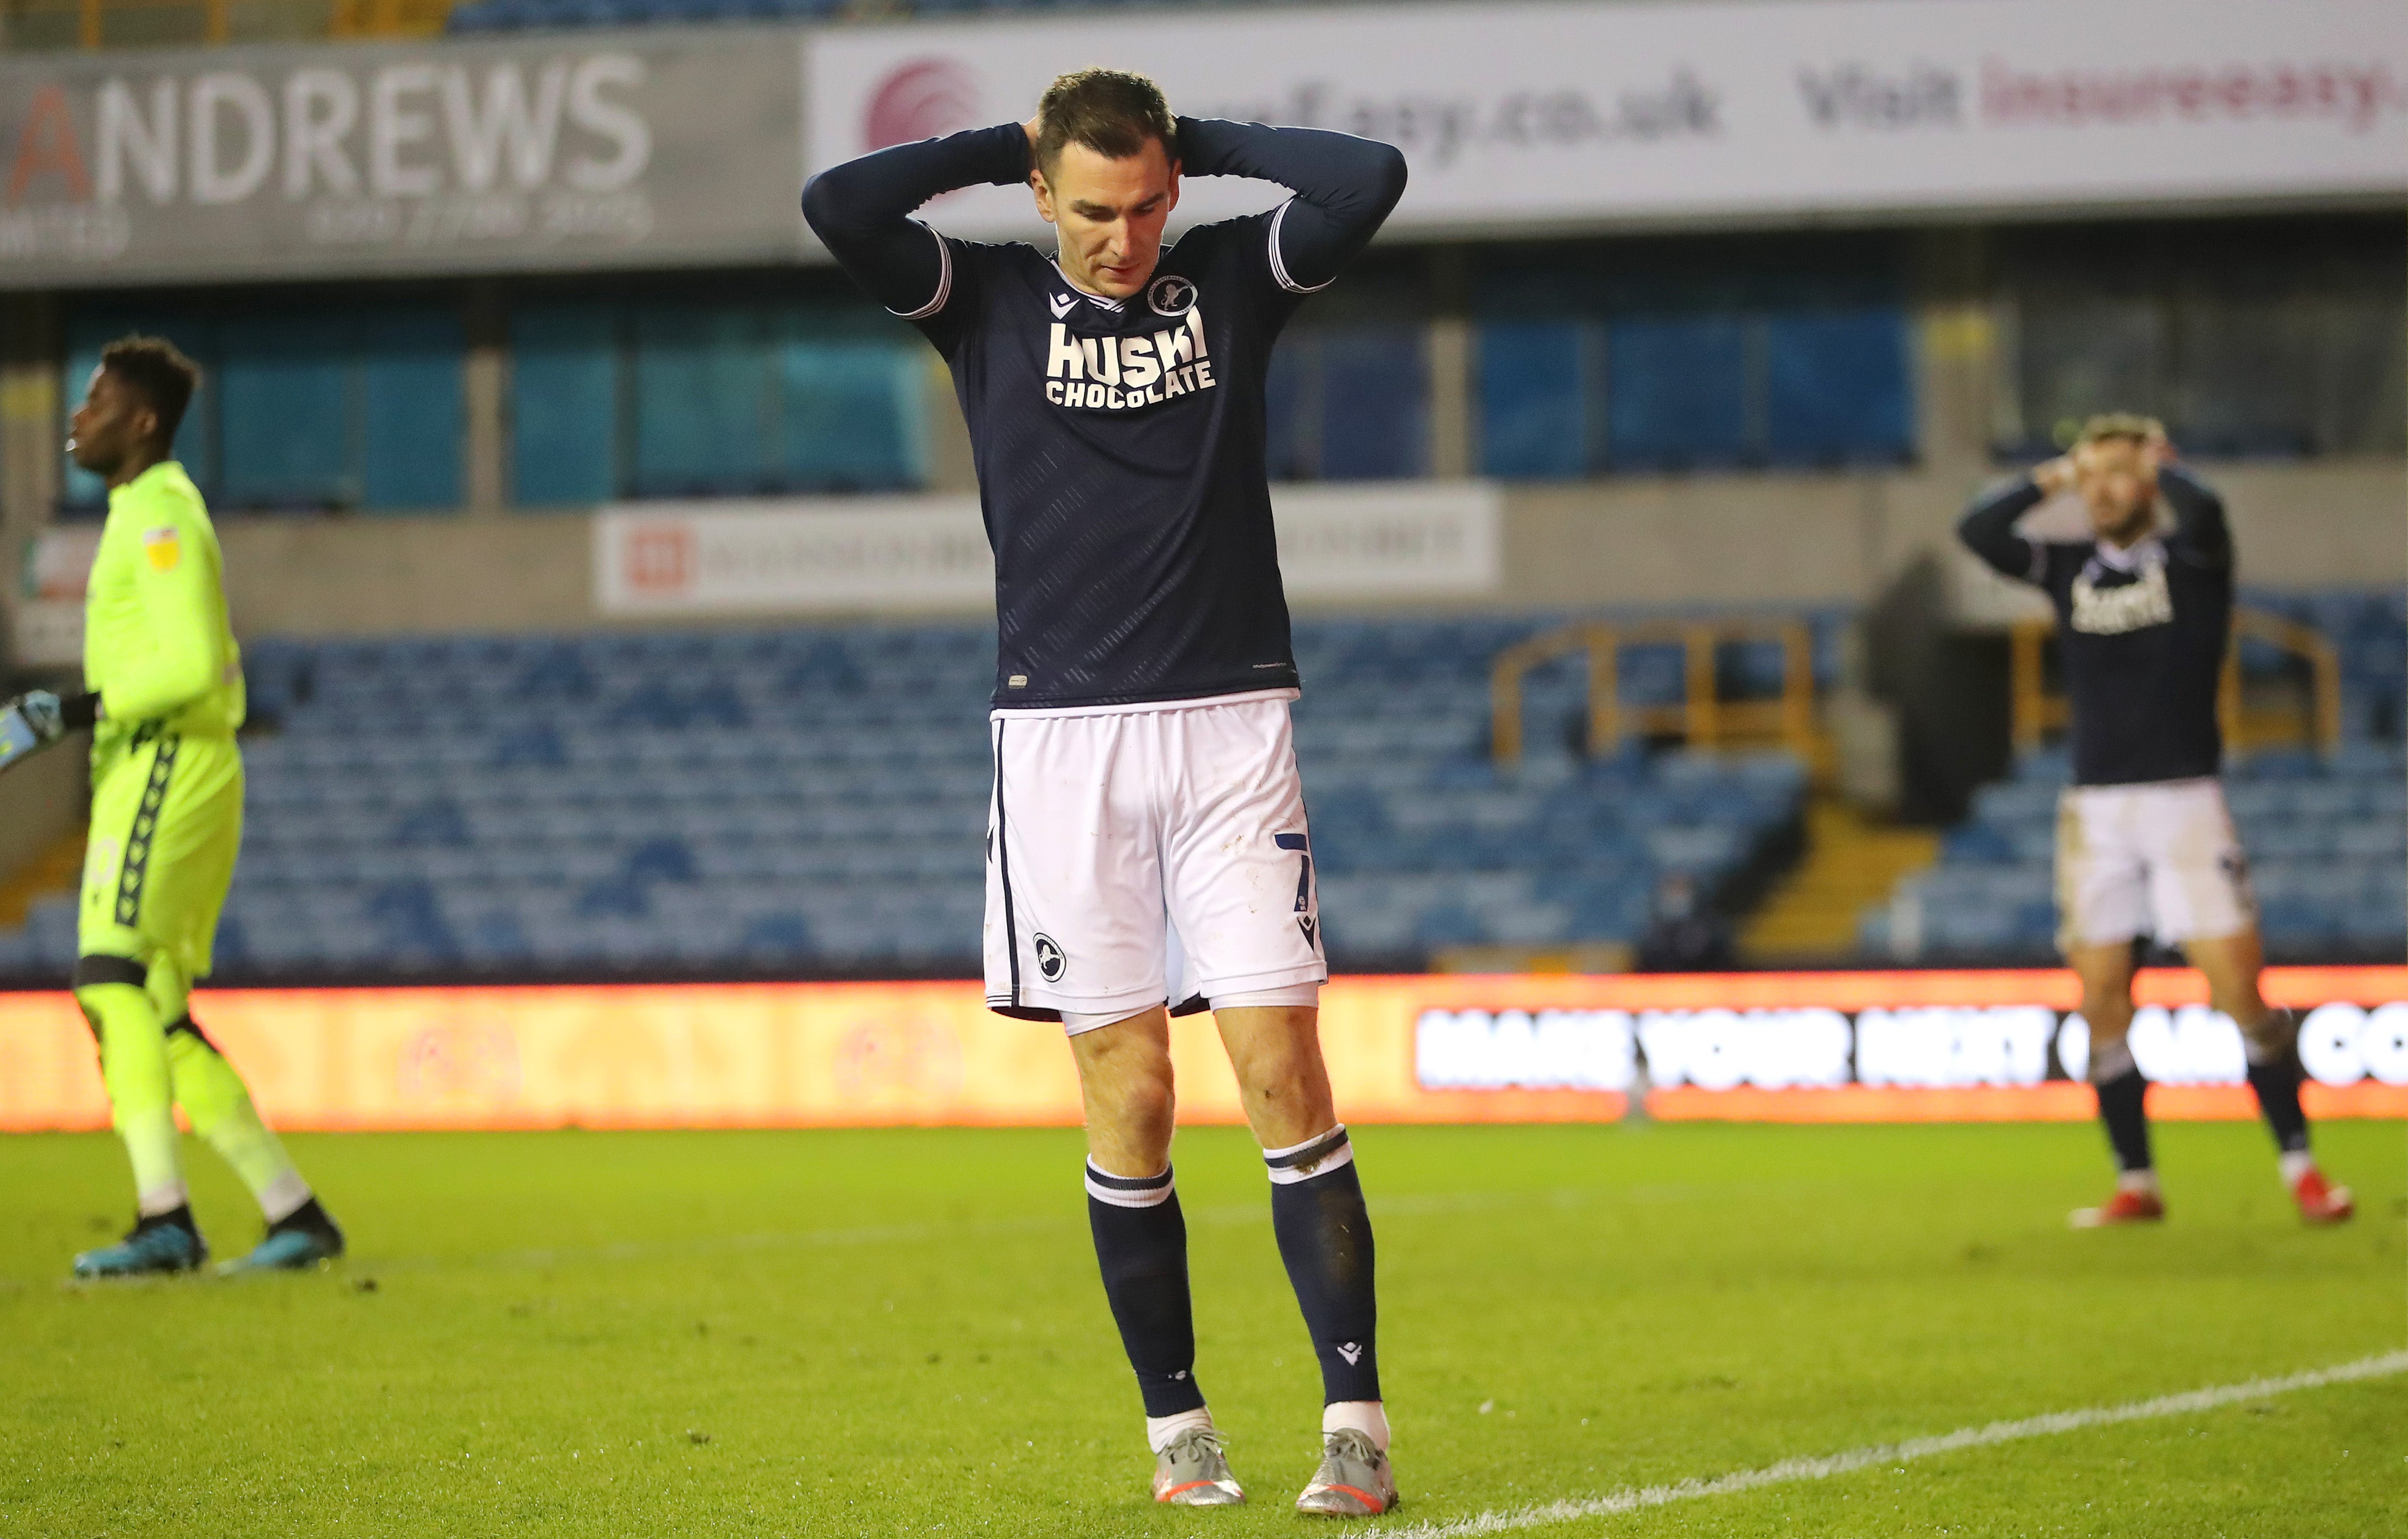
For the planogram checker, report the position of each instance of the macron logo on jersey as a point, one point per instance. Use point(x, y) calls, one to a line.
point(1126, 373)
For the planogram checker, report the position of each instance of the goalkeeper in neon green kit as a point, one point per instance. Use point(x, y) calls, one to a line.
point(166, 695)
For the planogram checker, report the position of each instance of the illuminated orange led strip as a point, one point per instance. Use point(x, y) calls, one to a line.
point(861, 1054)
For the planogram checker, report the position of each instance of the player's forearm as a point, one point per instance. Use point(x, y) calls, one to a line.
point(2200, 529)
point(1355, 179)
point(170, 678)
point(862, 209)
point(1988, 526)
point(1345, 186)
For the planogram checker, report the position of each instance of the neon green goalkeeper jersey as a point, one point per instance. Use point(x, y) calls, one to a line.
point(157, 644)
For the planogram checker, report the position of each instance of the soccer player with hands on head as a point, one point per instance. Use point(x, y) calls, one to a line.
point(163, 697)
point(1147, 849)
point(2144, 843)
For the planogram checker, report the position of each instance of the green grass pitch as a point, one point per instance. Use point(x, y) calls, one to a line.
point(900, 1332)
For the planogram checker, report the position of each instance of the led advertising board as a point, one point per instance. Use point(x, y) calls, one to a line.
point(1870, 1046)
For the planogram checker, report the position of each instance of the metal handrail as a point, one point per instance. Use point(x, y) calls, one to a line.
point(2034, 712)
point(1702, 719)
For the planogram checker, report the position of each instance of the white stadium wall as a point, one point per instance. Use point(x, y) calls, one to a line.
point(1737, 540)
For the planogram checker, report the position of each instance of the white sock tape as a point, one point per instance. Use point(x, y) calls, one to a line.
point(1316, 1156)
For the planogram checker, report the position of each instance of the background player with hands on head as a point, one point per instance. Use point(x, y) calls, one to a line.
point(1147, 845)
point(2144, 840)
point(164, 695)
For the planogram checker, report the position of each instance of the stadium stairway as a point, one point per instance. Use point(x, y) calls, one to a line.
point(809, 803)
point(1809, 917)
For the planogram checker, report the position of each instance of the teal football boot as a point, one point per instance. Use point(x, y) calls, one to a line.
point(158, 1245)
point(300, 1239)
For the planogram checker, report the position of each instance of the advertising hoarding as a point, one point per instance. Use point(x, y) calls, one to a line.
point(558, 152)
point(1855, 1047)
point(686, 145)
point(814, 556)
point(48, 612)
point(1534, 115)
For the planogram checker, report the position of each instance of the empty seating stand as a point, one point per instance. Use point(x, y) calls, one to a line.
point(812, 802)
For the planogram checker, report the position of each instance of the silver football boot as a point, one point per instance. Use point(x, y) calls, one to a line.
point(1354, 1480)
point(1194, 1472)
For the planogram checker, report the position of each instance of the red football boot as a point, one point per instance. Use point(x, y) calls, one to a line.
point(2127, 1206)
point(2321, 1200)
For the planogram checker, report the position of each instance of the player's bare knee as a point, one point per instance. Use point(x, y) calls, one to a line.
point(1289, 1101)
point(1131, 1137)
point(2104, 1007)
point(2105, 1028)
point(2106, 992)
point(1139, 1104)
point(1282, 1066)
point(1270, 1044)
point(1131, 1098)
point(2110, 1020)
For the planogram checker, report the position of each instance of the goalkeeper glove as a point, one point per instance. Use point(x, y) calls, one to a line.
point(33, 721)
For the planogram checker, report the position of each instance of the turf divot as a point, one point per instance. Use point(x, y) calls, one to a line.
point(2384, 1365)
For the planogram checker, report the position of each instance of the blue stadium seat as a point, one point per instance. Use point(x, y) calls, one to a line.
point(495, 804)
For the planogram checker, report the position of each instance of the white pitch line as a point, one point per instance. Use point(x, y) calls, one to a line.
point(2382, 1366)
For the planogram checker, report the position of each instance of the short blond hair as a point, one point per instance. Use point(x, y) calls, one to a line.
point(2116, 424)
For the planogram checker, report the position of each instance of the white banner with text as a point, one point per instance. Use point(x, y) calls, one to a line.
point(1532, 115)
point(559, 151)
point(861, 555)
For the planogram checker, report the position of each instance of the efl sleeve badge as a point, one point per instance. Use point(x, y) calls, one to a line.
point(163, 548)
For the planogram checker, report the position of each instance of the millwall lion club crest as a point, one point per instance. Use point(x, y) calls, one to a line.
point(1172, 294)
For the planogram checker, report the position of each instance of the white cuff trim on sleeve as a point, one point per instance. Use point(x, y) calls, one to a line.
point(1279, 265)
point(944, 281)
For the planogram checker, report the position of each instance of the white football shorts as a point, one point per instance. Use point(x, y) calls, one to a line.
point(2157, 859)
point(1144, 854)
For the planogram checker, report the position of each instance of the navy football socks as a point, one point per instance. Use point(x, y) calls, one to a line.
point(1141, 1246)
point(1325, 1237)
point(2274, 1074)
point(2123, 1107)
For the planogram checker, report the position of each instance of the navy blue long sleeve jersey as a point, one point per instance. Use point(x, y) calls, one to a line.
point(2143, 631)
point(1119, 444)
